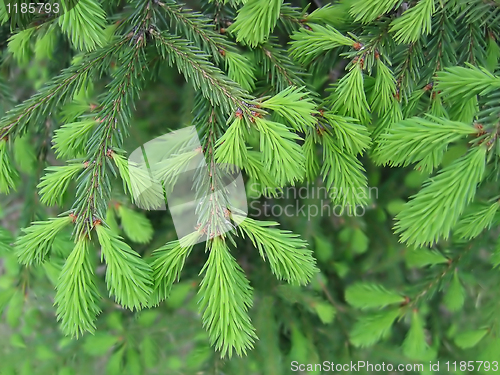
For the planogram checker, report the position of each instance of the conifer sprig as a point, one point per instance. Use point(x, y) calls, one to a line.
point(433, 212)
point(55, 182)
point(351, 135)
point(114, 113)
point(281, 154)
point(36, 242)
point(350, 97)
point(195, 26)
point(343, 174)
point(128, 276)
point(414, 22)
point(287, 254)
point(460, 82)
point(295, 106)
point(414, 139)
point(255, 21)
point(202, 74)
point(70, 139)
point(77, 296)
point(59, 90)
point(367, 11)
point(277, 67)
point(309, 44)
point(167, 264)
point(8, 175)
point(225, 297)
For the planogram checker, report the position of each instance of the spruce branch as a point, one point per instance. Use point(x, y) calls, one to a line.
point(115, 111)
point(225, 297)
point(8, 175)
point(36, 242)
point(255, 21)
point(84, 24)
point(295, 106)
point(349, 98)
point(136, 225)
point(343, 174)
point(287, 254)
point(281, 154)
point(307, 44)
point(167, 264)
point(77, 295)
point(196, 27)
point(141, 185)
point(369, 296)
point(203, 75)
point(59, 90)
point(462, 83)
point(414, 22)
point(231, 147)
point(70, 139)
point(473, 224)
point(433, 212)
point(374, 327)
point(128, 276)
point(277, 67)
point(351, 135)
point(368, 11)
point(56, 181)
point(416, 139)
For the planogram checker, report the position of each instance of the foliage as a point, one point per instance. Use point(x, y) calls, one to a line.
point(338, 100)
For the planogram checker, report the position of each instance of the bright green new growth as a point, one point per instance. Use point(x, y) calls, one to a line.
point(420, 88)
point(258, 15)
point(8, 175)
point(366, 296)
point(431, 214)
point(34, 246)
point(287, 255)
point(225, 297)
point(128, 276)
point(77, 295)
